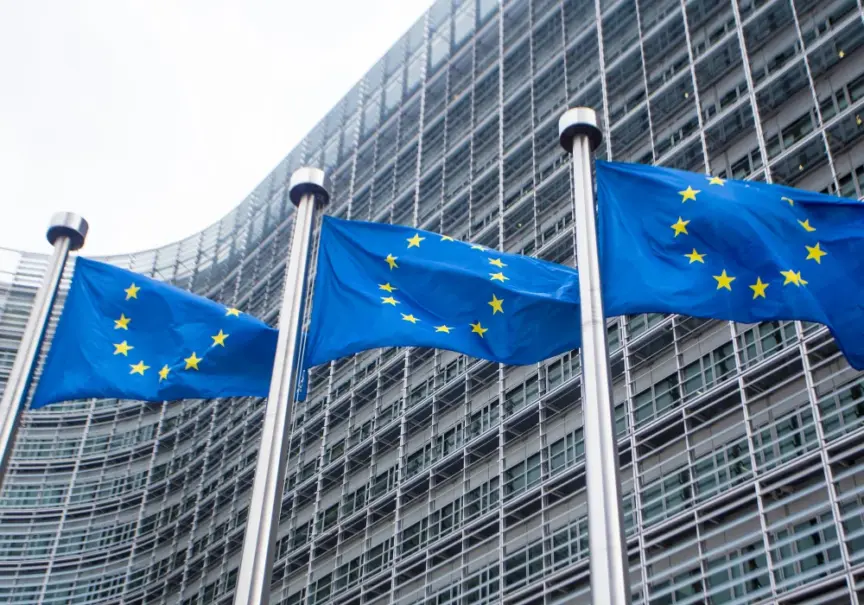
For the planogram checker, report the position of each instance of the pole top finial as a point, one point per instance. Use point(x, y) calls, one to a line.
point(308, 180)
point(576, 121)
point(68, 224)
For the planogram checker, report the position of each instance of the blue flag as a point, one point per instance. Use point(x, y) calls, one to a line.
point(128, 336)
point(679, 242)
point(383, 285)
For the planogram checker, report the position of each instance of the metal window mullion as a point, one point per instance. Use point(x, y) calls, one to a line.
point(235, 481)
point(533, 130)
point(691, 464)
point(751, 90)
point(751, 444)
point(603, 86)
point(136, 536)
point(319, 467)
point(212, 521)
point(421, 123)
point(319, 481)
point(631, 437)
point(52, 553)
point(400, 466)
point(645, 79)
point(367, 535)
point(830, 485)
point(812, 85)
point(172, 547)
point(696, 100)
point(208, 446)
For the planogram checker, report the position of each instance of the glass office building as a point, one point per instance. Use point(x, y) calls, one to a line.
point(422, 476)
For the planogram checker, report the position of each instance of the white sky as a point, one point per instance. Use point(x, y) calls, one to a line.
point(154, 118)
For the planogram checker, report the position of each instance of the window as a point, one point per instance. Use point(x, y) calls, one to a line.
point(843, 410)
point(656, 399)
point(481, 499)
point(522, 395)
point(637, 324)
point(665, 496)
point(712, 368)
point(482, 420)
point(764, 339)
point(379, 556)
point(787, 437)
point(720, 470)
point(522, 475)
point(804, 550)
point(566, 451)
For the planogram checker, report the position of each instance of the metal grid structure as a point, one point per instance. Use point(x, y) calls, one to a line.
point(421, 476)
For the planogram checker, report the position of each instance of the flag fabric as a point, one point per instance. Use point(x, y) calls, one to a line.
point(380, 285)
point(679, 242)
point(128, 336)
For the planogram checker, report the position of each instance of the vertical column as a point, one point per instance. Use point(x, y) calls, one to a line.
point(256, 564)
point(580, 135)
point(66, 233)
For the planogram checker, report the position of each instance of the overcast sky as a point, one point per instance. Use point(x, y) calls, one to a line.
point(153, 118)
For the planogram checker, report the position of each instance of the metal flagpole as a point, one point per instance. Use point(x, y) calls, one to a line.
point(579, 134)
point(66, 232)
point(307, 191)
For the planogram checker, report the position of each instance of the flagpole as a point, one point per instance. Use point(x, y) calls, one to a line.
point(66, 232)
point(580, 134)
point(307, 191)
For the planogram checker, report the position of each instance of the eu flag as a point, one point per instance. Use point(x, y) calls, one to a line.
point(381, 285)
point(679, 242)
point(128, 336)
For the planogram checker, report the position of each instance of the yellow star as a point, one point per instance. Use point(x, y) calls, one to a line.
point(138, 368)
point(498, 277)
point(680, 227)
point(497, 304)
point(163, 373)
point(695, 257)
point(387, 288)
point(410, 318)
point(478, 329)
point(232, 311)
point(415, 241)
point(715, 180)
point(192, 361)
point(788, 199)
point(806, 225)
point(793, 277)
point(391, 260)
point(132, 291)
point(724, 281)
point(688, 194)
point(122, 323)
point(446, 329)
point(815, 252)
point(123, 349)
point(219, 339)
point(759, 288)
point(497, 262)
point(389, 300)
point(447, 238)
point(477, 247)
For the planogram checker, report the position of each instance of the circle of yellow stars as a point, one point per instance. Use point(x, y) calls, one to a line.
point(190, 363)
point(724, 280)
point(496, 304)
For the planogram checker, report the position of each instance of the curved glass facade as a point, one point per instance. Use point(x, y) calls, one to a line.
point(421, 476)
